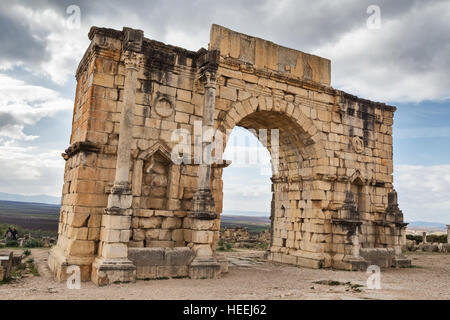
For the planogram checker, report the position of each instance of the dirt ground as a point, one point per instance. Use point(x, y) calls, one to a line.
point(250, 277)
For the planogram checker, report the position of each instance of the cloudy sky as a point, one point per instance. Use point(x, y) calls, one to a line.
point(404, 62)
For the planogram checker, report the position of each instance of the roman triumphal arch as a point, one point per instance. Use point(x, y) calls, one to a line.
point(140, 199)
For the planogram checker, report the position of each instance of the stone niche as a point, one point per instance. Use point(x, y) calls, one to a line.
point(155, 181)
point(155, 222)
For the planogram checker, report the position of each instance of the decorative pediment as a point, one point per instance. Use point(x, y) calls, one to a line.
point(357, 179)
point(159, 148)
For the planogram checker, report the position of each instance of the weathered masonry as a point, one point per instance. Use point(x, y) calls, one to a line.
point(129, 211)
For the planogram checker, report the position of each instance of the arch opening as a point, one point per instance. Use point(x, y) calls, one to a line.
point(278, 144)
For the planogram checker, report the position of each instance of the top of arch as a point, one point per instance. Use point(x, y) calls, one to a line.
point(265, 54)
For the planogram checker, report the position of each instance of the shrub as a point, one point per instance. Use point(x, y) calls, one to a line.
point(26, 252)
point(34, 271)
point(12, 243)
point(437, 238)
point(32, 243)
point(430, 238)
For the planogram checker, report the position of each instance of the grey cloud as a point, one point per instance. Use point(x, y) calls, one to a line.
point(18, 43)
point(419, 45)
point(6, 120)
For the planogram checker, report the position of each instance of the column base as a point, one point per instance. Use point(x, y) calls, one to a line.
point(401, 262)
point(204, 268)
point(223, 262)
point(356, 263)
point(58, 263)
point(107, 271)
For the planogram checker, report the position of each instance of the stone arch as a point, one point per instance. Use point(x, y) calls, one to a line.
point(314, 139)
point(299, 194)
point(239, 80)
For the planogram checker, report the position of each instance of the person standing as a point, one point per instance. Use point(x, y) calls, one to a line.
point(8, 234)
point(14, 233)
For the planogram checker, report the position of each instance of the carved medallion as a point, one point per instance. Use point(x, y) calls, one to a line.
point(163, 107)
point(358, 144)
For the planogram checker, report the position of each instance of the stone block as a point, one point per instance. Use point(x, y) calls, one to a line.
point(198, 236)
point(165, 234)
point(171, 223)
point(172, 271)
point(228, 93)
point(159, 244)
point(81, 247)
point(146, 272)
point(114, 250)
point(382, 257)
point(146, 256)
point(116, 222)
point(179, 256)
point(178, 235)
point(150, 223)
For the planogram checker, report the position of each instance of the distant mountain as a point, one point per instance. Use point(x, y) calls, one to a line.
point(35, 198)
point(244, 219)
point(246, 213)
point(236, 216)
point(426, 225)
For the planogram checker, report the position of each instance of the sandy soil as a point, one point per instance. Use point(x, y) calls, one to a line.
point(250, 277)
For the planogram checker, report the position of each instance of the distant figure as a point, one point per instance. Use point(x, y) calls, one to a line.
point(8, 234)
point(14, 234)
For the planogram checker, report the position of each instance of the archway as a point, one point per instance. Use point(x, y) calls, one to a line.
point(247, 194)
point(295, 211)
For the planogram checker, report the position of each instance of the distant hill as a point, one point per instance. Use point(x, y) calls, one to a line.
point(30, 215)
point(35, 198)
point(426, 225)
point(253, 223)
point(246, 213)
point(29, 210)
point(247, 219)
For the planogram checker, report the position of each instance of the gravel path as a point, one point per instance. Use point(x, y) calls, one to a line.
point(252, 278)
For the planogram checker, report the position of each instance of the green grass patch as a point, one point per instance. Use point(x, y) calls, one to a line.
point(33, 243)
point(224, 246)
point(6, 281)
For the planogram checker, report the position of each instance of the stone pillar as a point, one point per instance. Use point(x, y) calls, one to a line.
point(448, 233)
point(424, 237)
point(203, 205)
point(356, 246)
point(112, 263)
